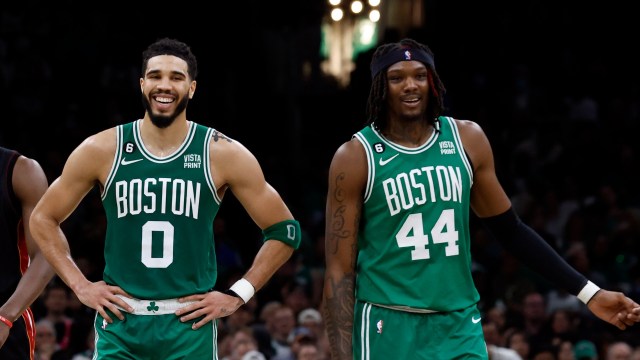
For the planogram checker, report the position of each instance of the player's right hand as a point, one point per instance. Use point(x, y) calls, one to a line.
point(102, 297)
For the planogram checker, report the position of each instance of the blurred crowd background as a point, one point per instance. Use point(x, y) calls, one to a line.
point(556, 87)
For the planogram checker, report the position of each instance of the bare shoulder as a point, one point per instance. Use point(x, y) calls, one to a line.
point(27, 166)
point(231, 162)
point(351, 152)
point(93, 158)
point(469, 128)
point(473, 136)
point(349, 167)
point(98, 146)
point(223, 147)
point(29, 178)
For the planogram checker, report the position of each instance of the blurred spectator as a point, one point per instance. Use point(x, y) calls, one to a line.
point(561, 326)
point(46, 346)
point(619, 350)
point(534, 318)
point(565, 351)
point(311, 319)
point(519, 342)
point(56, 299)
point(585, 350)
point(243, 346)
point(281, 328)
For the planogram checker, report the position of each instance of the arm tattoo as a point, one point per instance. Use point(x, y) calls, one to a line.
point(338, 312)
point(337, 230)
point(217, 135)
point(339, 302)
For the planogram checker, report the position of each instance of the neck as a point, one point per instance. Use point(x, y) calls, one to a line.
point(164, 141)
point(410, 134)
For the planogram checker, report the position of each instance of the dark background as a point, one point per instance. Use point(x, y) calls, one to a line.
point(520, 69)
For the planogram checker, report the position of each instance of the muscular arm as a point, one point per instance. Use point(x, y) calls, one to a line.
point(488, 198)
point(29, 184)
point(61, 199)
point(347, 178)
point(87, 166)
point(234, 167)
point(490, 203)
point(238, 169)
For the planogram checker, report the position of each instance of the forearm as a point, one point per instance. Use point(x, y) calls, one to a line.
point(54, 246)
point(272, 255)
point(31, 285)
point(534, 252)
point(338, 305)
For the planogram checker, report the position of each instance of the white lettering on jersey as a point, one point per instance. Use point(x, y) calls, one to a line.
point(184, 197)
point(429, 183)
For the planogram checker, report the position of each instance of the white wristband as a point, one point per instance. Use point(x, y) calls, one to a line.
point(244, 289)
point(587, 292)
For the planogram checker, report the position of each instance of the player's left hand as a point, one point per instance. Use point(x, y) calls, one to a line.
point(615, 308)
point(209, 306)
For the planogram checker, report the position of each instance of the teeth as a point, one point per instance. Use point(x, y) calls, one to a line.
point(164, 100)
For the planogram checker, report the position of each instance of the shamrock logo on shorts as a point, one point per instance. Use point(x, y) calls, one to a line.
point(152, 306)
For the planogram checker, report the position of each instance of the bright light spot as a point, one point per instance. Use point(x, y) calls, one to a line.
point(335, 2)
point(374, 15)
point(337, 14)
point(374, 2)
point(357, 6)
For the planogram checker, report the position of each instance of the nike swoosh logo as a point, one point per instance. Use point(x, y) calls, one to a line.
point(125, 162)
point(385, 162)
point(474, 320)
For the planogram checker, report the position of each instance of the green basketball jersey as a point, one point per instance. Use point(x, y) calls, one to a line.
point(413, 242)
point(160, 211)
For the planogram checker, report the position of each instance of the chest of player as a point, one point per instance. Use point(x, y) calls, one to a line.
point(403, 181)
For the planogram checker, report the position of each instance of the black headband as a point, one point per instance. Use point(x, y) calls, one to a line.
point(398, 55)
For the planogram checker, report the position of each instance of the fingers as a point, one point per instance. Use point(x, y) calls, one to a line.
point(116, 312)
point(121, 303)
point(202, 322)
point(195, 311)
point(632, 317)
point(104, 314)
point(188, 309)
point(196, 314)
point(189, 298)
point(116, 290)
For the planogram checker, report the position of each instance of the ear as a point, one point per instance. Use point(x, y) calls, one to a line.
point(192, 89)
point(142, 85)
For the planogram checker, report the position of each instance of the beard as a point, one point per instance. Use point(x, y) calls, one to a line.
point(163, 121)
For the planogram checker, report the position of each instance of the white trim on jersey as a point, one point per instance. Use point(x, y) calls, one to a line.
point(371, 169)
point(462, 153)
point(116, 162)
point(207, 165)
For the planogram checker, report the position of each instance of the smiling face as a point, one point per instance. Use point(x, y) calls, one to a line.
point(408, 84)
point(166, 89)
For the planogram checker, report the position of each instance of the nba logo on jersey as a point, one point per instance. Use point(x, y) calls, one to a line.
point(407, 55)
point(379, 326)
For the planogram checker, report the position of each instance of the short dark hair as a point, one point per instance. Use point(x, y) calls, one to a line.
point(376, 104)
point(167, 46)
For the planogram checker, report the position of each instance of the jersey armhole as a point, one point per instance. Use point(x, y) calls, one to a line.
point(116, 161)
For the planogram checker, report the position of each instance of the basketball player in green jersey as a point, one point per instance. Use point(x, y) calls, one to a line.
point(398, 282)
point(162, 179)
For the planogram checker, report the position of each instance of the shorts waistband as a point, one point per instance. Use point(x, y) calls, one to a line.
point(153, 307)
point(406, 309)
